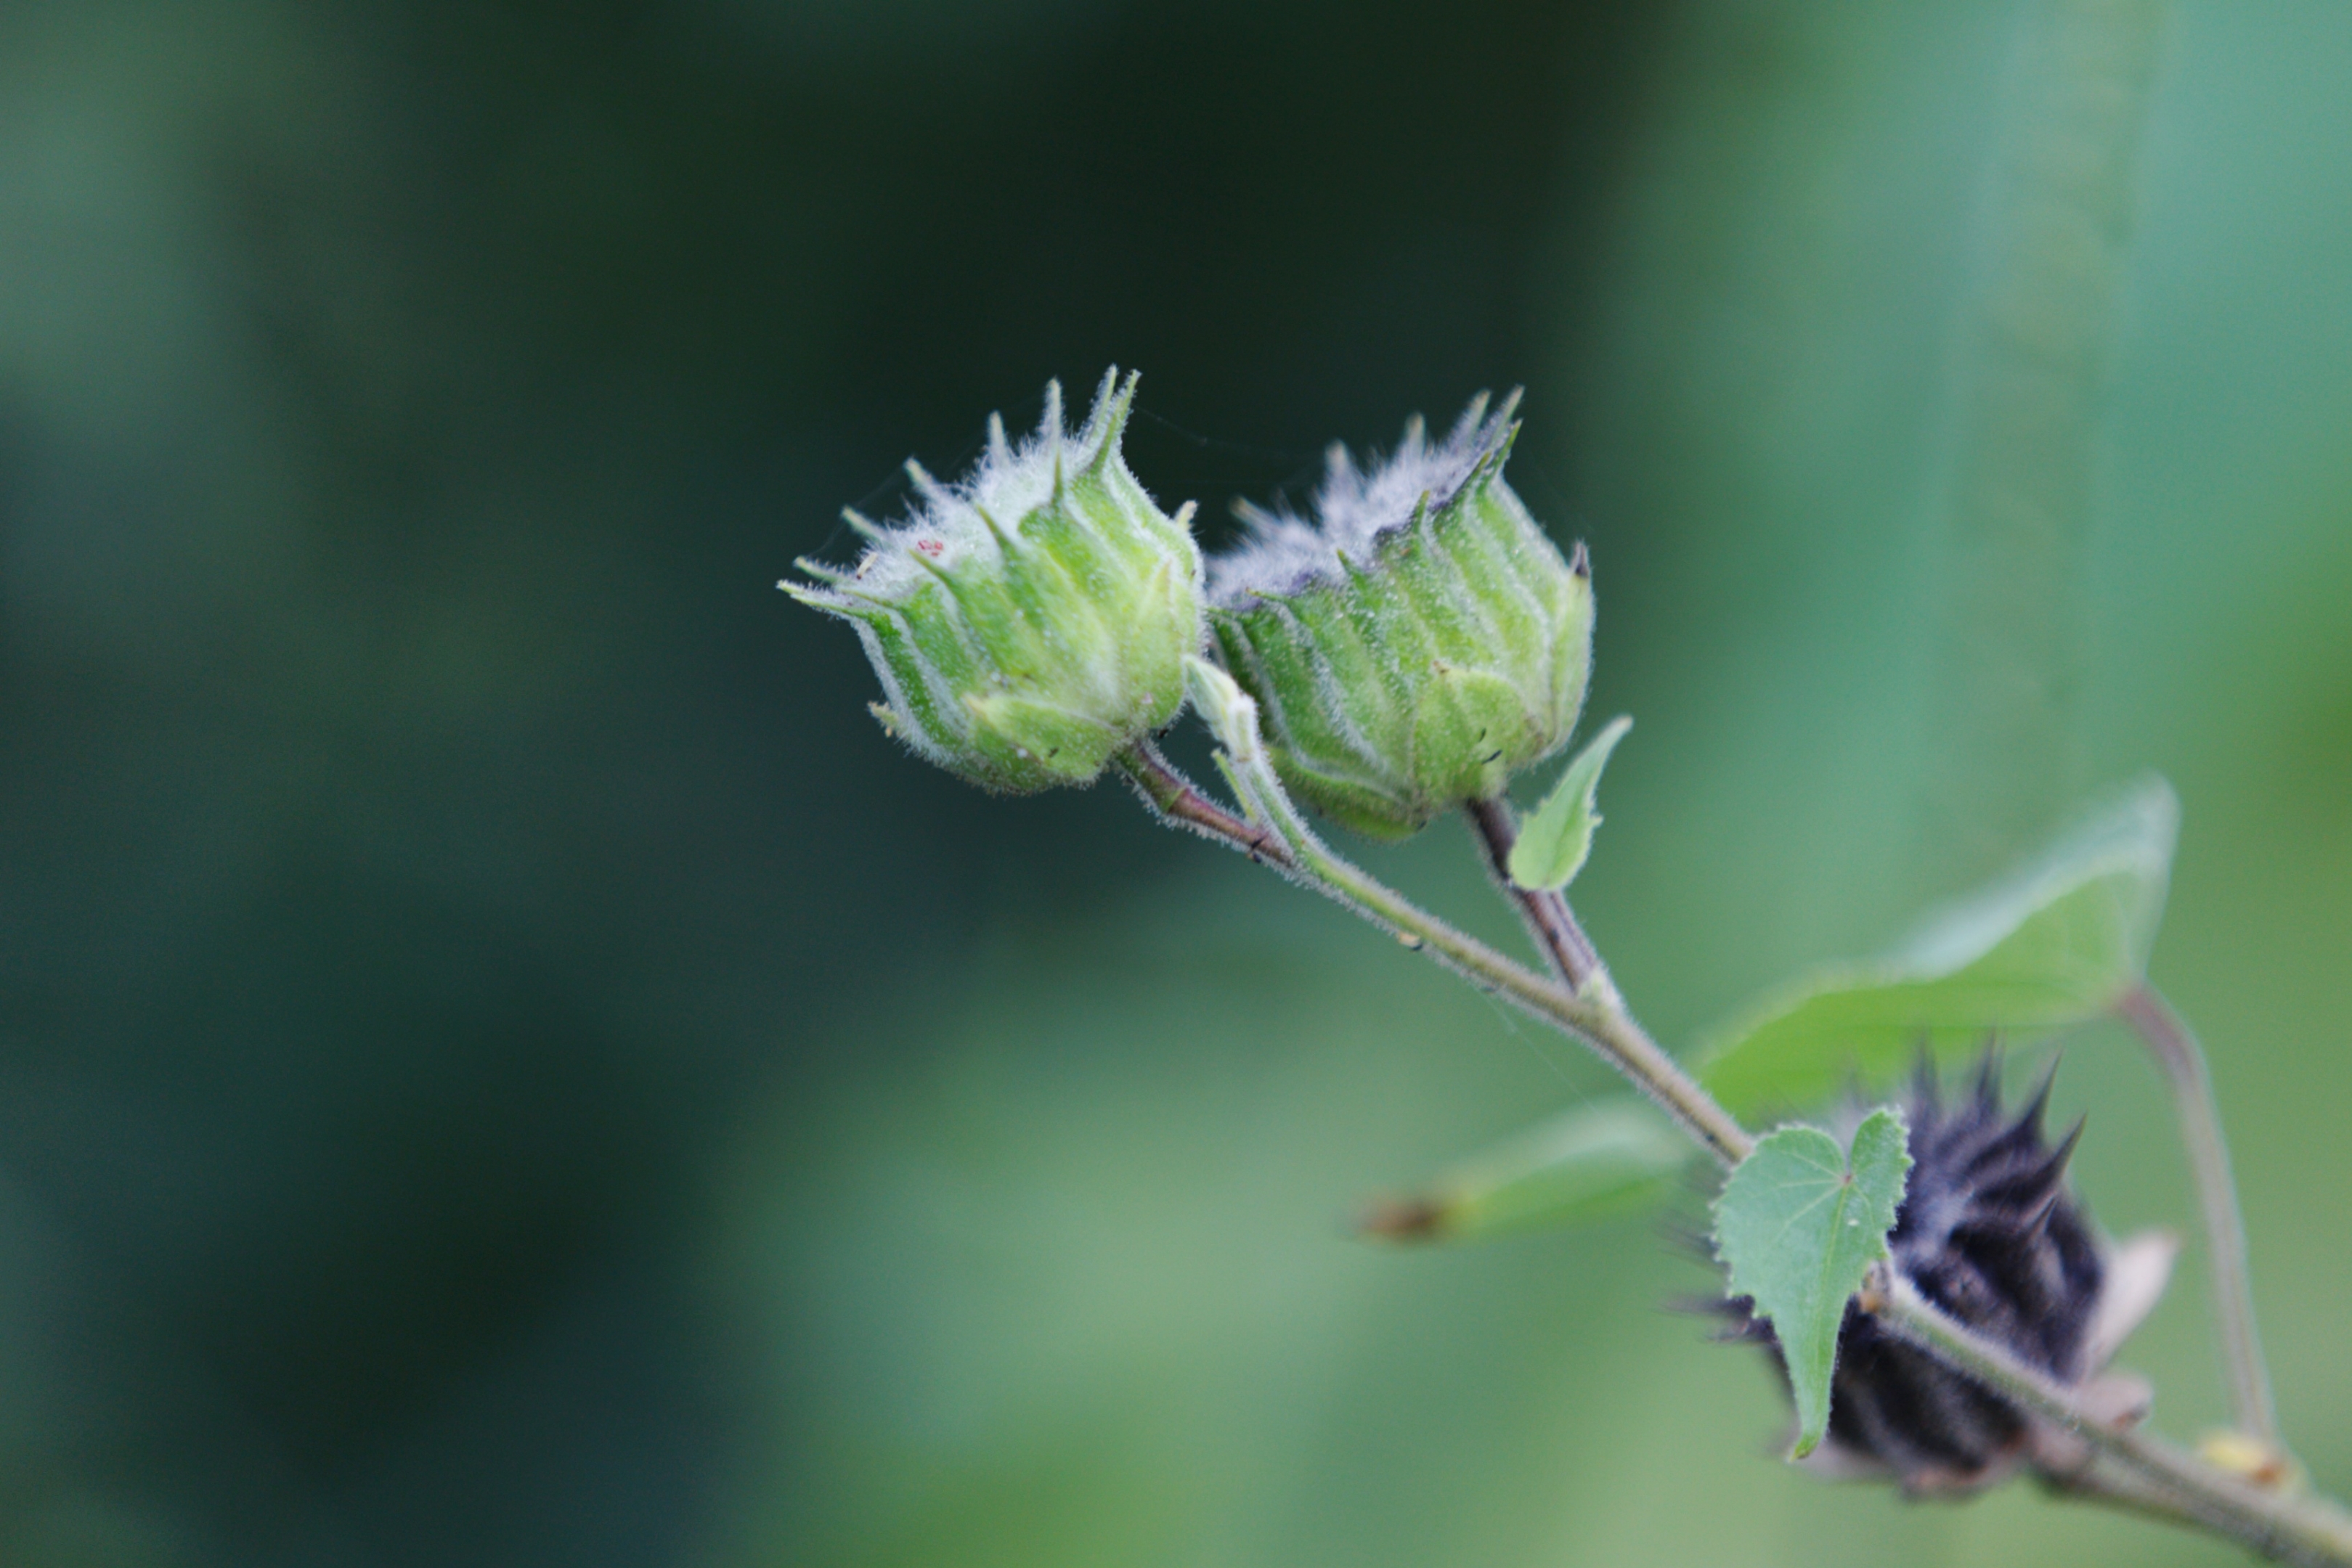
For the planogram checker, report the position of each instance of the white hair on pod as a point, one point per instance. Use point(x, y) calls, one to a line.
point(1353, 507)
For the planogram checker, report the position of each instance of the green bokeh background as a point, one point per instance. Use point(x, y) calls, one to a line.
point(502, 1063)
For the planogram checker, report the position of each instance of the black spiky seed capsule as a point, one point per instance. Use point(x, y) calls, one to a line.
point(1988, 1232)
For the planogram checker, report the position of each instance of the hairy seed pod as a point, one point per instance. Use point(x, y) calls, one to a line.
point(1988, 1231)
point(1417, 643)
point(1032, 618)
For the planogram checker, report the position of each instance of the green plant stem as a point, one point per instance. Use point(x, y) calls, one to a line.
point(2176, 1050)
point(1283, 839)
point(2292, 1529)
point(2110, 1485)
point(1547, 916)
point(1572, 956)
point(1175, 800)
point(1592, 1013)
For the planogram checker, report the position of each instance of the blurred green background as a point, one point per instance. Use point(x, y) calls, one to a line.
point(502, 1063)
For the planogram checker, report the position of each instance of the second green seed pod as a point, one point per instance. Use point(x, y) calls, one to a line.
point(1416, 642)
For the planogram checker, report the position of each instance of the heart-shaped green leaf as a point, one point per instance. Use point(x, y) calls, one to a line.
point(1799, 1224)
point(1596, 1160)
point(1552, 845)
point(2054, 944)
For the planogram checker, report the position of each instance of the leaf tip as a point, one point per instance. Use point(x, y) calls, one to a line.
point(1558, 839)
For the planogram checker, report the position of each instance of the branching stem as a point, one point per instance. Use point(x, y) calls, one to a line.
point(2176, 1050)
point(1547, 916)
point(1175, 800)
point(2293, 1529)
point(1574, 957)
point(1593, 1014)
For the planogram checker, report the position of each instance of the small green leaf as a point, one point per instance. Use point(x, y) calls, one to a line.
point(1596, 1160)
point(2053, 946)
point(1552, 845)
point(1800, 1226)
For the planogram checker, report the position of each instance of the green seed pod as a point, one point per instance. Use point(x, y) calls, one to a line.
point(1417, 643)
point(1032, 619)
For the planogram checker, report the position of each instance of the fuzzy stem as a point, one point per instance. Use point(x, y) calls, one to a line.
point(1572, 956)
point(1592, 1016)
point(1283, 839)
point(1176, 801)
point(1547, 916)
point(2292, 1529)
point(2110, 1485)
point(2176, 1050)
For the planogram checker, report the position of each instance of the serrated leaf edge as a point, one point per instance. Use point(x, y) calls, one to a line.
point(1845, 1188)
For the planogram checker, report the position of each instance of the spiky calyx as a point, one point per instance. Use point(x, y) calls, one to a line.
point(1415, 643)
point(1988, 1231)
point(1031, 620)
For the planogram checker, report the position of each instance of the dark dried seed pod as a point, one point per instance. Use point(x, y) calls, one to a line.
point(1988, 1232)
